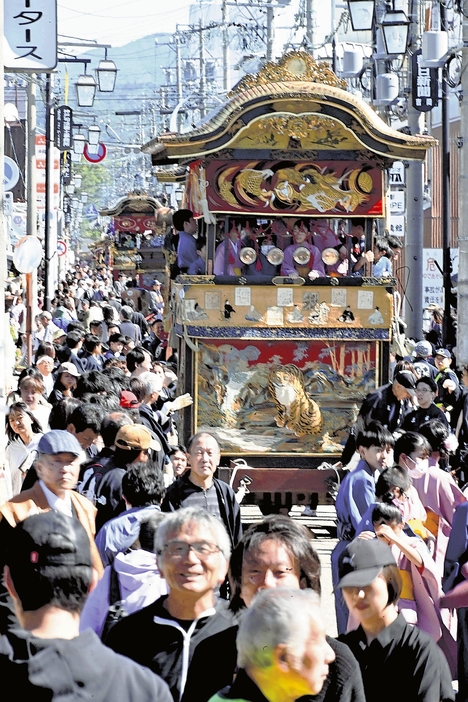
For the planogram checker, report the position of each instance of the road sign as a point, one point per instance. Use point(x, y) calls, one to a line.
point(99, 156)
point(396, 174)
point(11, 173)
point(61, 248)
point(91, 212)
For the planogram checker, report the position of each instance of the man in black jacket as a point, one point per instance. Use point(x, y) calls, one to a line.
point(193, 552)
point(198, 488)
point(389, 404)
point(48, 573)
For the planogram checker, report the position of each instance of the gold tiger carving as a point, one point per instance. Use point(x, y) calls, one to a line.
point(296, 410)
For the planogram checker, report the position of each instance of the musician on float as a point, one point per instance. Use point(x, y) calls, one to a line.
point(227, 260)
point(314, 268)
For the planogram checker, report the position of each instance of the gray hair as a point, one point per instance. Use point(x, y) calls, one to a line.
point(277, 616)
point(150, 383)
point(126, 312)
point(176, 521)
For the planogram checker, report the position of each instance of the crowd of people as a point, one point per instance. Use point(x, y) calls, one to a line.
point(405, 487)
point(127, 574)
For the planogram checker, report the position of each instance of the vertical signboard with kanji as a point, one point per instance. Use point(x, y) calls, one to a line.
point(30, 35)
point(425, 84)
point(63, 128)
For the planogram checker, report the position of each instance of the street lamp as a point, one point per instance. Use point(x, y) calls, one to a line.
point(84, 198)
point(85, 90)
point(77, 180)
point(106, 74)
point(395, 29)
point(362, 14)
point(79, 142)
point(94, 132)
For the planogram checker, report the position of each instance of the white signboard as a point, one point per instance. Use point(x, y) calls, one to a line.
point(396, 174)
point(396, 199)
point(396, 224)
point(432, 280)
point(30, 35)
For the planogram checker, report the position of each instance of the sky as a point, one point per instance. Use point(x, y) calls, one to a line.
point(119, 22)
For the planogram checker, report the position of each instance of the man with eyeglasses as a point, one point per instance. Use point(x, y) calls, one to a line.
point(426, 392)
point(193, 551)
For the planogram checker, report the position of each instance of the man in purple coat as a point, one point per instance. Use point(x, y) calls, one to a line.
point(186, 227)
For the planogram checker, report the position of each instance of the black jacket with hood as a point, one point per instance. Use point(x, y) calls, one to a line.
point(69, 670)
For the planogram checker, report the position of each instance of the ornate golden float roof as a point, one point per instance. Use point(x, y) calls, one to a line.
point(170, 174)
point(282, 109)
point(134, 203)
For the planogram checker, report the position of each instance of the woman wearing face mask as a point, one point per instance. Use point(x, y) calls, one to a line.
point(394, 487)
point(436, 489)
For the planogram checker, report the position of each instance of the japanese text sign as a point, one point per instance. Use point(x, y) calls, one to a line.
point(30, 39)
point(425, 84)
point(63, 128)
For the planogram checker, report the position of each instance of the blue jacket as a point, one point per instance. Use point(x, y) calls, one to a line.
point(356, 493)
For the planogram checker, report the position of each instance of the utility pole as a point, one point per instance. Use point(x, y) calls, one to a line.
point(414, 208)
point(178, 68)
point(309, 23)
point(48, 199)
point(31, 199)
point(202, 70)
point(462, 336)
point(225, 46)
point(4, 325)
point(270, 31)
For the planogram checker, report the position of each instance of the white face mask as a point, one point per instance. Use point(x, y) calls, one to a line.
point(265, 248)
point(417, 468)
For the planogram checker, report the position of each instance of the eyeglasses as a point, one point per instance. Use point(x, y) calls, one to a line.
point(180, 549)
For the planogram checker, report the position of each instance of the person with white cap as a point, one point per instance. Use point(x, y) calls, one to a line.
point(396, 659)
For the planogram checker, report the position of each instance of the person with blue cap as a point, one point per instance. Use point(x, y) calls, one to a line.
point(57, 465)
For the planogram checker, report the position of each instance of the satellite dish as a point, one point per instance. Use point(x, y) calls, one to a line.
point(248, 255)
point(275, 256)
point(301, 255)
point(330, 256)
point(28, 254)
